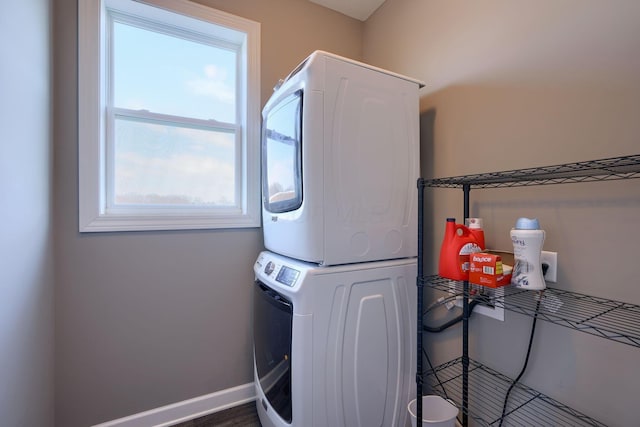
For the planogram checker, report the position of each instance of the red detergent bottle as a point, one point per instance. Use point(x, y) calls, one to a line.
point(457, 245)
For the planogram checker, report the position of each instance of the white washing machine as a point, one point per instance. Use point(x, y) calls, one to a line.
point(333, 346)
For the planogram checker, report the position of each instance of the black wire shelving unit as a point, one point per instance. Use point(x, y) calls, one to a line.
point(527, 407)
point(614, 168)
point(470, 384)
point(614, 320)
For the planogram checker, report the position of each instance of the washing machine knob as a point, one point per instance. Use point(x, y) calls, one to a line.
point(268, 269)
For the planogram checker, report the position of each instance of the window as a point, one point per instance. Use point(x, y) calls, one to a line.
point(169, 117)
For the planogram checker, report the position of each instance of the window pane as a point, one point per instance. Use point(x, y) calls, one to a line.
point(171, 75)
point(157, 164)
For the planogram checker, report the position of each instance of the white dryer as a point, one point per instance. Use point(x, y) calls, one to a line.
point(340, 162)
point(333, 346)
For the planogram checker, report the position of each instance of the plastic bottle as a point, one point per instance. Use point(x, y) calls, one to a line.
point(475, 226)
point(527, 239)
point(457, 245)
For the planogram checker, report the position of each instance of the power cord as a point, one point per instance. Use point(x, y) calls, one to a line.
point(526, 360)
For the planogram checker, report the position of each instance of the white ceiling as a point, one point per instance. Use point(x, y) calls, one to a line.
point(359, 9)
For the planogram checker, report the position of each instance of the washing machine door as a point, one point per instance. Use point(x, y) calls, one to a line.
point(272, 323)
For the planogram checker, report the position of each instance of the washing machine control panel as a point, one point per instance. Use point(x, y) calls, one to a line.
point(287, 276)
point(280, 273)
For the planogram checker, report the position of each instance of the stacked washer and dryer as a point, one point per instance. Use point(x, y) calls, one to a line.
point(334, 303)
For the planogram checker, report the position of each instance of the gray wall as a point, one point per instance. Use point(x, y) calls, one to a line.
point(522, 84)
point(152, 318)
point(26, 272)
point(147, 319)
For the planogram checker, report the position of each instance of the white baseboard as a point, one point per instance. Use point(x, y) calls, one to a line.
point(188, 409)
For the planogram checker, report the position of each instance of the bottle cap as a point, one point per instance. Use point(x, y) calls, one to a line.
point(473, 223)
point(527, 224)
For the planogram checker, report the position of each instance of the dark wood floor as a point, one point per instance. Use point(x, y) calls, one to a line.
point(243, 415)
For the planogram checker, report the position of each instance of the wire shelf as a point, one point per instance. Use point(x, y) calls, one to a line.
point(613, 320)
point(487, 389)
point(478, 390)
point(614, 168)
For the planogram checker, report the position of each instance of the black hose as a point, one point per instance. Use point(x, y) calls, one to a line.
point(448, 324)
point(526, 360)
point(441, 302)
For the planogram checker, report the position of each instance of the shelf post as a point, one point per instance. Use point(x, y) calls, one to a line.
point(420, 291)
point(466, 188)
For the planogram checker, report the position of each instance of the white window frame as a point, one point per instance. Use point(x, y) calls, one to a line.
point(94, 215)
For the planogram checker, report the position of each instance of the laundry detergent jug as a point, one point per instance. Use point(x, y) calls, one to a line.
point(457, 245)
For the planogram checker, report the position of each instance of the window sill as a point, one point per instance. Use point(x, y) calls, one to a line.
point(112, 223)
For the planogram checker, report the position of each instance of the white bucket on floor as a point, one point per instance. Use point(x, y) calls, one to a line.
point(436, 412)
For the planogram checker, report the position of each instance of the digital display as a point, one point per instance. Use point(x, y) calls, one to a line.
point(287, 276)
